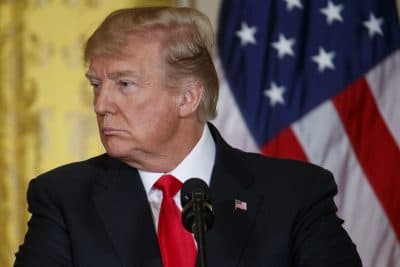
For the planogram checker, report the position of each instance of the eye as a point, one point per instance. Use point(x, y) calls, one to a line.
point(125, 84)
point(95, 85)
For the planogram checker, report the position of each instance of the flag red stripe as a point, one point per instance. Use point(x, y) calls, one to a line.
point(285, 145)
point(374, 145)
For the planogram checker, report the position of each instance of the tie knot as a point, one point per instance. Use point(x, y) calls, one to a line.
point(168, 184)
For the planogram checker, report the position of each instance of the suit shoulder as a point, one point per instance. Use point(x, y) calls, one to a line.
point(73, 173)
point(294, 182)
point(283, 166)
point(287, 173)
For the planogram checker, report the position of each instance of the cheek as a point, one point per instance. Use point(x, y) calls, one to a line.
point(162, 118)
point(155, 104)
point(150, 114)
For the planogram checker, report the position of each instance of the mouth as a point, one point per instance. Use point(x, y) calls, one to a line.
point(110, 131)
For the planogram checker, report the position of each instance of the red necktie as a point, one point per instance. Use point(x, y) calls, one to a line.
point(176, 244)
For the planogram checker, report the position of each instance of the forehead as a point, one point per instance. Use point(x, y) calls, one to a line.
point(136, 55)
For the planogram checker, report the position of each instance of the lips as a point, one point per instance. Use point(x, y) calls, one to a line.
point(110, 131)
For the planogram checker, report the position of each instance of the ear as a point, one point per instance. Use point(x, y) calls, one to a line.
point(190, 99)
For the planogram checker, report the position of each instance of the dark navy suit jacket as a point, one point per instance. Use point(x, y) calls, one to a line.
point(95, 213)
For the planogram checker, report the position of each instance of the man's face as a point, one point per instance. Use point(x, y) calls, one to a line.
point(136, 114)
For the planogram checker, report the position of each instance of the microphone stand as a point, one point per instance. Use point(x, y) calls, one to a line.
point(199, 227)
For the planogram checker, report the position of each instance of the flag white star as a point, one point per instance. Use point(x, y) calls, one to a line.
point(290, 4)
point(374, 25)
point(246, 34)
point(275, 94)
point(284, 46)
point(324, 60)
point(332, 12)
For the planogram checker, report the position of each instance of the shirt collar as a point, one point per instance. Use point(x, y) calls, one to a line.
point(197, 164)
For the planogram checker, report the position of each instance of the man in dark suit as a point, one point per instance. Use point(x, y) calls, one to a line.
point(155, 88)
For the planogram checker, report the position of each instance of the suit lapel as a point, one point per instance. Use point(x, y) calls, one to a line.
point(121, 203)
point(230, 181)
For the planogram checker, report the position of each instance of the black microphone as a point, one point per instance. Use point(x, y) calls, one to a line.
point(196, 189)
point(197, 213)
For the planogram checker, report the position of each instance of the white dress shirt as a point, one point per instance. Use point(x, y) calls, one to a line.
point(197, 164)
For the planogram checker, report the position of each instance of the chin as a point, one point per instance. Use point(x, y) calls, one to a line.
point(124, 156)
point(124, 150)
point(116, 149)
point(117, 152)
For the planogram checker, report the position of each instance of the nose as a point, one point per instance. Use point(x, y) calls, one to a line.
point(104, 100)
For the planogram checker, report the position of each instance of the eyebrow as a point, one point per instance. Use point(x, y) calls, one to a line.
point(118, 74)
point(113, 75)
point(90, 76)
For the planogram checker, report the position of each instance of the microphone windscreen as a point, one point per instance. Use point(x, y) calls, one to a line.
point(192, 185)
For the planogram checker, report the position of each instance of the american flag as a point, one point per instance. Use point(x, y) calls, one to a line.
point(319, 81)
point(241, 205)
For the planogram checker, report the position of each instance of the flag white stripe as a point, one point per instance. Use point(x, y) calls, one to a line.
point(384, 82)
point(364, 217)
point(229, 120)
